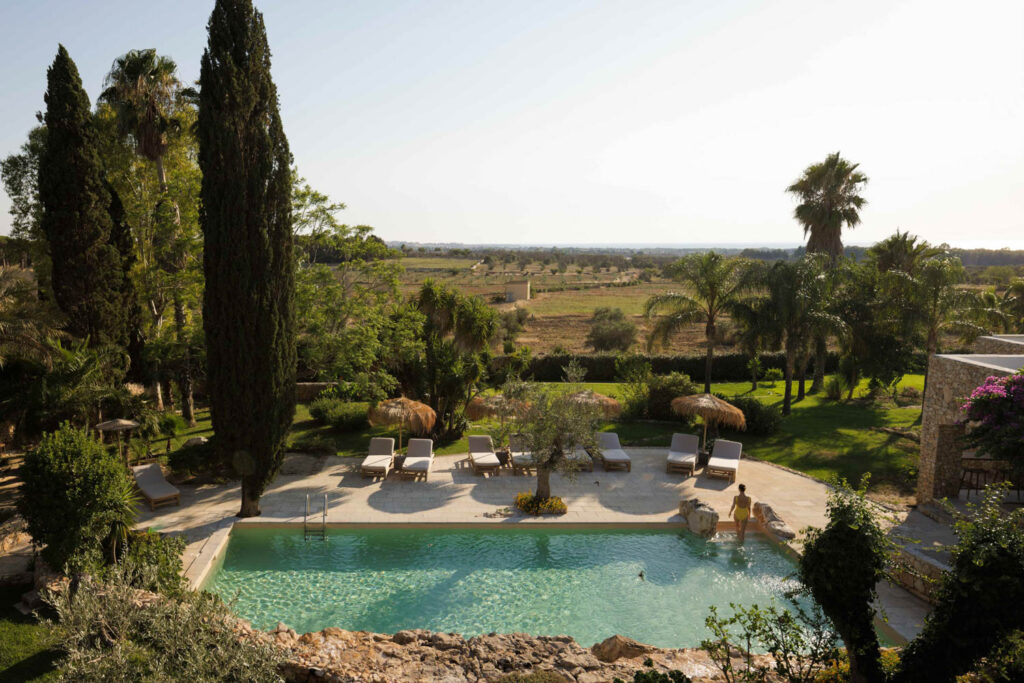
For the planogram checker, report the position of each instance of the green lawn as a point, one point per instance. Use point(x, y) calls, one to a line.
point(26, 646)
point(821, 438)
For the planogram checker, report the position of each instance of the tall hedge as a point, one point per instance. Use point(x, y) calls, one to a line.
point(248, 305)
point(87, 277)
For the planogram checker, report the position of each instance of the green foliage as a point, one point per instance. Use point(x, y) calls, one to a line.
point(835, 387)
point(652, 676)
point(552, 426)
point(800, 643)
point(1004, 663)
point(664, 388)
point(87, 276)
point(634, 371)
point(773, 375)
point(340, 415)
point(532, 505)
point(72, 497)
point(248, 302)
point(994, 411)
point(106, 636)
point(978, 600)
point(610, 330)
point(762, 419)
point(841, 566)
point(152, 562)
point(196, 458)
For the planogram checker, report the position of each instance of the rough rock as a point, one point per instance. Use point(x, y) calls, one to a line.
point(700, 517)
point(616, 647)
point(771, 521)
point(195, 441)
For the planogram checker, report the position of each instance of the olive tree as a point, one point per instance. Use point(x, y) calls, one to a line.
point(552, 426)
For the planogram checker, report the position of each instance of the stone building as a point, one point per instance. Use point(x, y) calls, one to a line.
point(951, 379)
point(517, 290)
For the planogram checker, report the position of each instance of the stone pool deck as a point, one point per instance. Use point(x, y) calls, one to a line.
point(453, 494)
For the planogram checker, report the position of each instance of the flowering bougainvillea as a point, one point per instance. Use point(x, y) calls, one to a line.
point(995, 413)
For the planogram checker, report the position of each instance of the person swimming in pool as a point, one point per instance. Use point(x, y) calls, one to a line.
point(741, 505)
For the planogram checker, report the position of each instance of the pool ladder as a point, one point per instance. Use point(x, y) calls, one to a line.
point(310, 529)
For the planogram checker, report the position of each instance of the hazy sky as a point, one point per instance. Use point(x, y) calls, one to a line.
point(623, 121)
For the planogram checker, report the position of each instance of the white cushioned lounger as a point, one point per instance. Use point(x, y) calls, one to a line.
point(150, 481)
point(682, 454)
point(611, 452)
point(380, 458)
point(481, 455)
point(419, 457)
point(725, 459)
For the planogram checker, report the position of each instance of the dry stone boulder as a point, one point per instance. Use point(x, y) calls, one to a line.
point(771, 521)
point(195, 441)
point(700, 517)
point(616, 647)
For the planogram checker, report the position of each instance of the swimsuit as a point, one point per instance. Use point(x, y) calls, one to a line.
point(741, 513)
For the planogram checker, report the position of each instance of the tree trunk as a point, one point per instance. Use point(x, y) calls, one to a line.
point(188, 412)
point(932, 347)
point(710, 336)
point(250, 500)
point(800, 393)
point(787, 398)
point(158, 392)
point(543, 483)
point(753, 373)
point(820, 357)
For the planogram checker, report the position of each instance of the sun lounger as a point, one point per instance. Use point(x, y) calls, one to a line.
point(682, 454)
point(521, 459)
point(380, 458)
point(725, 459)
point(419, 457)
point(481, 455)
point(150, 481)
point(612, 455)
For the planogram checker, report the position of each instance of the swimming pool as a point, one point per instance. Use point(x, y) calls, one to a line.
point(543, 581)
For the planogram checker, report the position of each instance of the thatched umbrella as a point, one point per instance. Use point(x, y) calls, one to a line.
point(710, 409)
point(407, 414)
point(117, 426)
point(608, 406)
point(495, 405)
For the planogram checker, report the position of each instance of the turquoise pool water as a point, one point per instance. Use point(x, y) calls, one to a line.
point(543, 581)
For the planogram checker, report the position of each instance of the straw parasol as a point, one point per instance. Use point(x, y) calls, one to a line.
point(608, 406)
point(407, 414)
point(496, 405)
point(117, 426)
point(710, 409)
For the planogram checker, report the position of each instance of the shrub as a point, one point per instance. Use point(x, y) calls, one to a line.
point(196, 458)
point(1004, 663)
point(978, 601)
point(315, 444)
point(634, 371)
point(533, 677)
point(661, 392)
point(610, 331)
point(762, 419)
point(773, 375)
point(995, 409)
point(532, 505)
point(338, 414)
point(107, 635)
point(73, 496)
point(836, 387)
point(653, 676)
point(153, 562)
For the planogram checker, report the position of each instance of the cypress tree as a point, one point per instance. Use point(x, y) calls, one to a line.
point(248, 304)
point(87, 276)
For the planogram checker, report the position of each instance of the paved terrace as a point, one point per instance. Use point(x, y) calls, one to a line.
point(453, 494)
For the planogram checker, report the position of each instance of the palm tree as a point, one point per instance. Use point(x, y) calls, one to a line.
point(829, 196)
point(26, 326)
point(1013, 304)
point(795, 311)
point(717, 285)
point(143, 89)
point(145, 94)
point(902, 252)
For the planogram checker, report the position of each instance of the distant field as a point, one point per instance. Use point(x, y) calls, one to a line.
point(438, 263)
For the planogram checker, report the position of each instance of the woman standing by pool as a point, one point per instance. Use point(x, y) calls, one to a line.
point(741, 505)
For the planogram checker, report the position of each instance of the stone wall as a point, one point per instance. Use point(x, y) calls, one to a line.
point(950, 380)
point(1008, 344)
